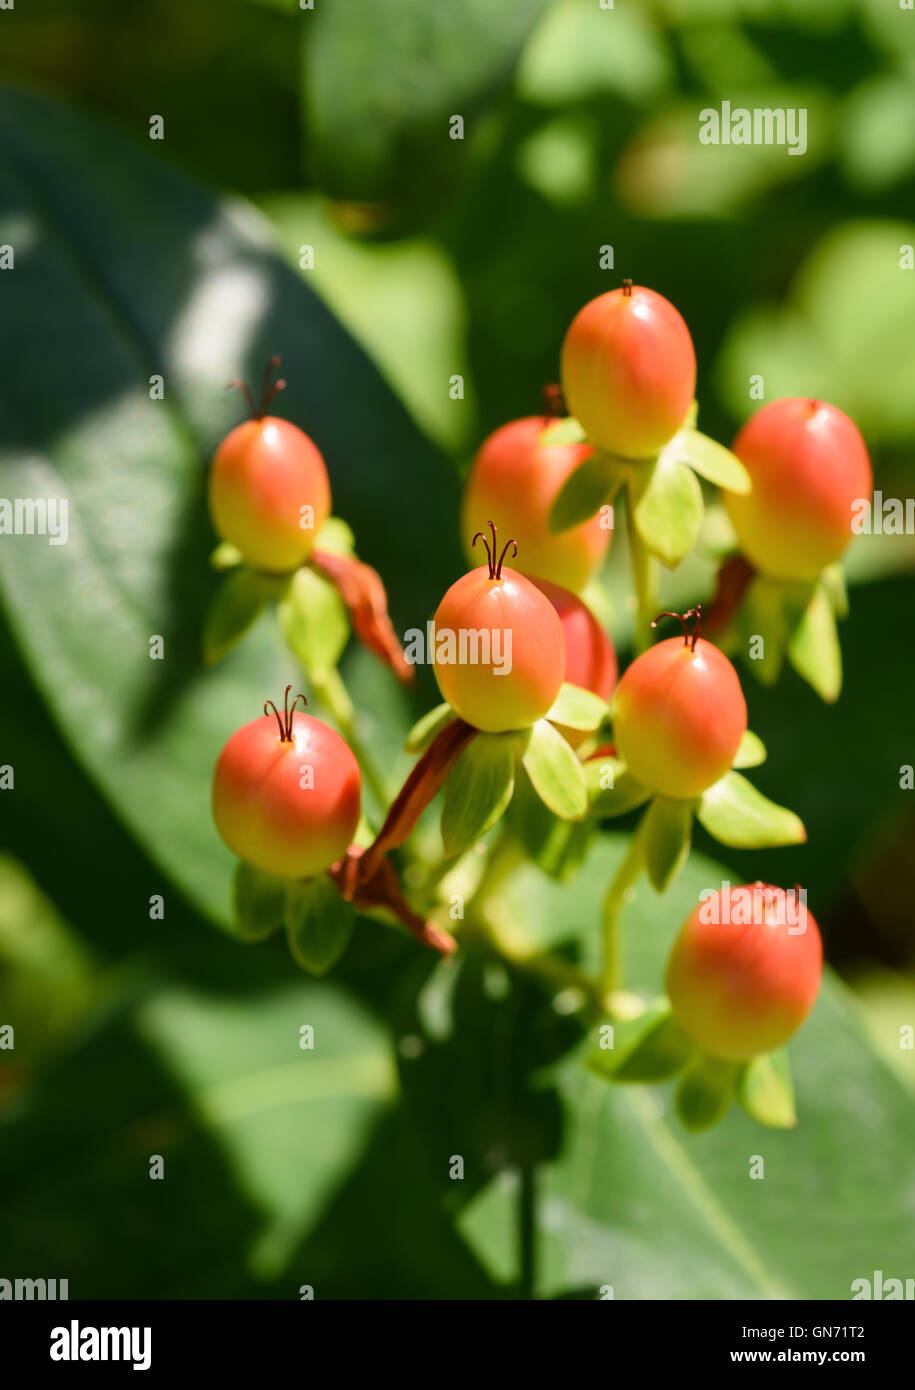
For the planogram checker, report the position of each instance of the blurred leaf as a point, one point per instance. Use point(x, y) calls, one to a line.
point(649, 1048)
point(667, 507)
point(319, 923)
point(842, 335)
point(478, 789)
point(579, 50)
point(878, 132)
point(258, 903)
point(555, 772)
point(149, 275)
point(375, 127)
point(594, 482)
point(814, 649)
point(765, 1091)
point(565, 431)
point(237, 603)
point(736, 814)
point(751, 753)
point(314, 621)
point(425, 729)
point(706, 1091)
point(667, 831)
point(576, 708)
point(612, 790)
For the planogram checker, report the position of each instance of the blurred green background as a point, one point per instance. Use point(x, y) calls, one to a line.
point(328, 129)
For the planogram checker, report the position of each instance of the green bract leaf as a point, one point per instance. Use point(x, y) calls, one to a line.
point(833, 581)
point(225, 557)
point(766, 1092)
point(705, 1094)
point(567, 431)
point(576, 708)
point(740, 816)
point(258, 903)
point(555, 846)
point(612, 790)
point(651, 1047)
point(319, 923)
point(667, 507)
point(335, 535)
point(425, 729)
point(814, 650)
point(478, 789)
point(666, 834)
point(314, 621)
point(235, 606)
point(555, 772)
point(594, 483)
point(710, 459)
point(751, 753)
point(772, 610)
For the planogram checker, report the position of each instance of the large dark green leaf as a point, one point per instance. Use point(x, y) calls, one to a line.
point(125, 270)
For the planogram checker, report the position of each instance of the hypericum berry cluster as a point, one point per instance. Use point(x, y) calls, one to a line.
point(669, 737)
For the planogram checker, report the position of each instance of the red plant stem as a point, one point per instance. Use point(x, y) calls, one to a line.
point(733, 579)
point(427, 776)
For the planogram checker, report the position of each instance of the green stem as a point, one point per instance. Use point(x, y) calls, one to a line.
point(334, 696)
point(614, 902)
point(643, 575)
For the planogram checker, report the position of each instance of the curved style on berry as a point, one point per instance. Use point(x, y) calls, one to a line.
point(497, 613)
point(745, 970)
point(679, 714)
point(629, 370)
point(286, 793)
point(269, 493)
point(515, 479)
point(808, 464)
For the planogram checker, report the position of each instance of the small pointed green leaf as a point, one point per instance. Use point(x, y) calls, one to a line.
point(766, 1092)
point(736, 814)
point(336, 536)
point(557, 847)
point(555, 772)
point(814, 650)
point(772, 610)
point(258, 902)
point(319, 923)
point(314, 621)
point(651, 1047)
point(833, 581)
point(711, 460)
point(576, 708)
point(567, 431)
point(225, 557)
point(751, 753)
point(706, 1091)
point(425, 729)
point(667, 507)
point(667, 831)
point(235, 606)
point(595, 482)
point(478, 789)
point(612, 789)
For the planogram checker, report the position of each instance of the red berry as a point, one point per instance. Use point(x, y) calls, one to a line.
point(678, 716)
point(498, 612)
point(590, 658)
point(515, 479)
point(629, 371)
point(286, 794)
point(808, 465)
point(269, 493)
point(745, 970)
